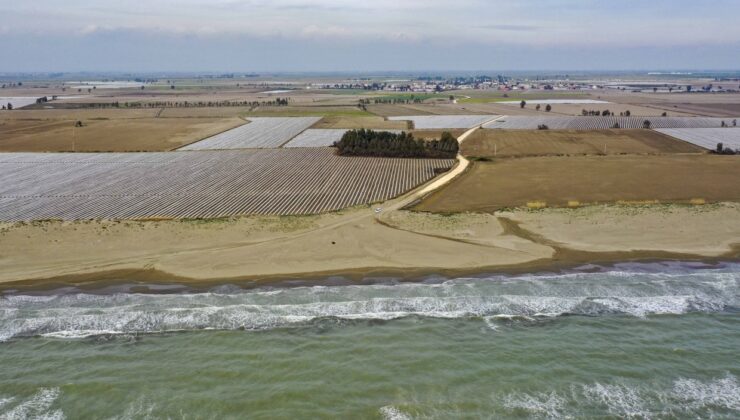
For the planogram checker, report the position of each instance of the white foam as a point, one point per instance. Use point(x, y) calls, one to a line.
point(620, 400)
point(548, 405)
point(724, 393)
point(495, 299)
point(390, 412)
point(37, 407)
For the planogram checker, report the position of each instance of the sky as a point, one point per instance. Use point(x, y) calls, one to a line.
point(367, 35)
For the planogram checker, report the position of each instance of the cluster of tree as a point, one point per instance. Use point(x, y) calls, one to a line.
point(734, 124)
point(722, 150)
point(475, 81)
point(386, 144)
point(597, 113)
point(10, 85)
point(543, 127)
point(548, 108)
point(403, 100)
point(9, 107)
point(185, 104)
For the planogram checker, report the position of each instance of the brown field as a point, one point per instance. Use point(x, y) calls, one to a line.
point(522, 143)
point(714, 110)
point(341, 121)
point(394, 110)
point(556, 181)
point(76, 114)
point(110, 135)
point(214, 112)
point(435, 134)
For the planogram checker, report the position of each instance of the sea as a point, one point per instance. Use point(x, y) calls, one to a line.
point(656, 340)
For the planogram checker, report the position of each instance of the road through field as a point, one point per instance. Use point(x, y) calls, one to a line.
point(435, 184)
point(264, 246)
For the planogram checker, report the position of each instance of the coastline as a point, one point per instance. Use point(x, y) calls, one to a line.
point(406, 246)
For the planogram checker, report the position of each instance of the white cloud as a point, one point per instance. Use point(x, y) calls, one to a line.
point(539, 23)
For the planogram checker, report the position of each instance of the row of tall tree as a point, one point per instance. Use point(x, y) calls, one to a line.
point(387, 144)
point(185, 104)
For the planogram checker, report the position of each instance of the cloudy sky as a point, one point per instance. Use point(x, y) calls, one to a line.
point(368, 35)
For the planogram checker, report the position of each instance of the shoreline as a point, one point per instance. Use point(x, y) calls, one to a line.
point(140, 280)
point(358, 244)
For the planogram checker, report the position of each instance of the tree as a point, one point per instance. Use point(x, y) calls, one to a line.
point(627, 113)
point(10, 106)
point(720, 147)
point(386, 144)
point(646, 124)
point(548, 108)
point(665, 114)
point(616, 125)
point(734, 123)
point(522, 104)
point(655, 90)
point(537, 107)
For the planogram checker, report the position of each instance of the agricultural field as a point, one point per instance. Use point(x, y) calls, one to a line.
point(203, 184)
point(373, 123)
point(321, 137)
point(706, 137)
point(564, 181)
point(17, 102)
point(436, 134)
point(438, 122)
point(602, 123)
point(108, 135)
point(712, 109)
point(79, 114)
point(522, 143)
point(317, 137)
point(575, 110)
point(260, 133)
point(554, 101)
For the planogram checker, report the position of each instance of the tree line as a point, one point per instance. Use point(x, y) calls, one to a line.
point(364, 142)
point(184, 104)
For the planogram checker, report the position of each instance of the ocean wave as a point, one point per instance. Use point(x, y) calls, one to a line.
point(390, 412)
point(690, 398)
point(495, 299)
point(37, 406)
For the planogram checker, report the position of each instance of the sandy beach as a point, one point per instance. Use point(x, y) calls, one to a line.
point(359, 240)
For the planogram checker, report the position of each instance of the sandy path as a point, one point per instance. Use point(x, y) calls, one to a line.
point(439, 182)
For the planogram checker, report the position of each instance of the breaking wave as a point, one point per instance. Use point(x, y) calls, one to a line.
point(38, 406)
point(635, 292)
point(684, 398)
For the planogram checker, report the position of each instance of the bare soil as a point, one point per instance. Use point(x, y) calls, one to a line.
point(521, 143)
point(558, 181)
point(108, 135)
point(340, 121)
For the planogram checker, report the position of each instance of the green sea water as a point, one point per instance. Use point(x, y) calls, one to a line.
point(628, 341)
